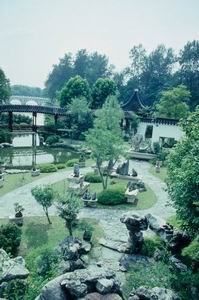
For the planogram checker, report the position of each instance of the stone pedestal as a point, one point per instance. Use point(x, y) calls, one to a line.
point(131, 196)
point(16, 220)
point(35, 173)
point(79, 188)
point(76, 180)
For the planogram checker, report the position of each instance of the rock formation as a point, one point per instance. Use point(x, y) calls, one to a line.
point(92, 283)
point(135, 224)
point(11, 269)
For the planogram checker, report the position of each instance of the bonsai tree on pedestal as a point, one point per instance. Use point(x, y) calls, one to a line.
point(68, 208)
point(44, 195)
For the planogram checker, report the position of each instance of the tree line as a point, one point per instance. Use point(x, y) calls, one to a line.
point(155, 74)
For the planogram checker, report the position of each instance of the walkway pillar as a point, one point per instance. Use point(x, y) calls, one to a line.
point(34, 118)
point(56, 119)
point(10, 120)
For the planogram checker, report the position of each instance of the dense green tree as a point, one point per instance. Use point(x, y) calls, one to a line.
point(81, 63)
point(105, 138)
point(183, 175)
point(68, 207)
point(174, 103)
point(189, 70)
point(44, 195)
point(74, 88)
point(151, 73)
point(102, 88)
point(89, 66)
point(24, 90)
point(4, 87)
point(60, 73)
point(98, 67)
point(81, 118)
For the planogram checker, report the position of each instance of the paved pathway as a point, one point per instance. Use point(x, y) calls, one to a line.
point(109, 219)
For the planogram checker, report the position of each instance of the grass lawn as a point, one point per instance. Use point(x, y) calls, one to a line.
point(38, 234)
point(13, 181)
point(37, 238)
point(145, 199)
point(162, 175)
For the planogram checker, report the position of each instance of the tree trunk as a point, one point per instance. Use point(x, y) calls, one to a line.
point(69, 226)
point(101, 175)
point(48, 218)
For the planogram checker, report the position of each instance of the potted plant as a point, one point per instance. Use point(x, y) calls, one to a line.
point(88, 231)
point(18, 217)
point(35, 171)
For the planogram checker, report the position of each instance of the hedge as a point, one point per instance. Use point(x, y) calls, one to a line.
point(72, 162)
point(10, 238)
point(112, 197)
point(92, 177)
point(47, 168)
point(60, 166)
point(190, 254)
point(151, 244)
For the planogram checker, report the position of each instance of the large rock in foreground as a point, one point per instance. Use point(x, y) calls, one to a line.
point(81, 284)
point(12, 268)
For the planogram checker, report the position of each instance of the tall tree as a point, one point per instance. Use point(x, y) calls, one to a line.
point(74, 88)
point(81, 63)
point(105, 138)
point(4, 87)
point(60, 73)
point(174, 103)
point(102, 88)
point(150, 73)
point(189, 70)
point(183, 175)
point(80, 118)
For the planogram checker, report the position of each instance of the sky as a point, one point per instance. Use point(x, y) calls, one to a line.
point(34, 34)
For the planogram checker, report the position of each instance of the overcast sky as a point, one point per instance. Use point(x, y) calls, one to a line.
point(35, 33)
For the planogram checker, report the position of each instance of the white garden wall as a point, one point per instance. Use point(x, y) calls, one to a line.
point(161, 130)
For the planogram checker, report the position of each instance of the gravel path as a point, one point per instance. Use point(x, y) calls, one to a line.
point(109, 219)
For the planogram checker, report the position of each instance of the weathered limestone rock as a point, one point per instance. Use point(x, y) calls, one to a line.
point(72, 248)
point(104, 286)
point(81, 284)
point(155, 293)
point(134, 224)
point(97, 296)
point(12, 268)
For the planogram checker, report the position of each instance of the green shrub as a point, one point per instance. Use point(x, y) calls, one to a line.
point(5, 136)
point(10, 238)
point(92, 177)
point(190, 254)
point(47, 168)
point(156, 147)
point(52, 139)
point(112, 197)
point(15, 289)
point(151, 244)
point(46, 262)
point(60, 166)
point(72, 162)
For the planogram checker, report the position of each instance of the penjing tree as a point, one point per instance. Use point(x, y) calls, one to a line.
point(105, 138)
